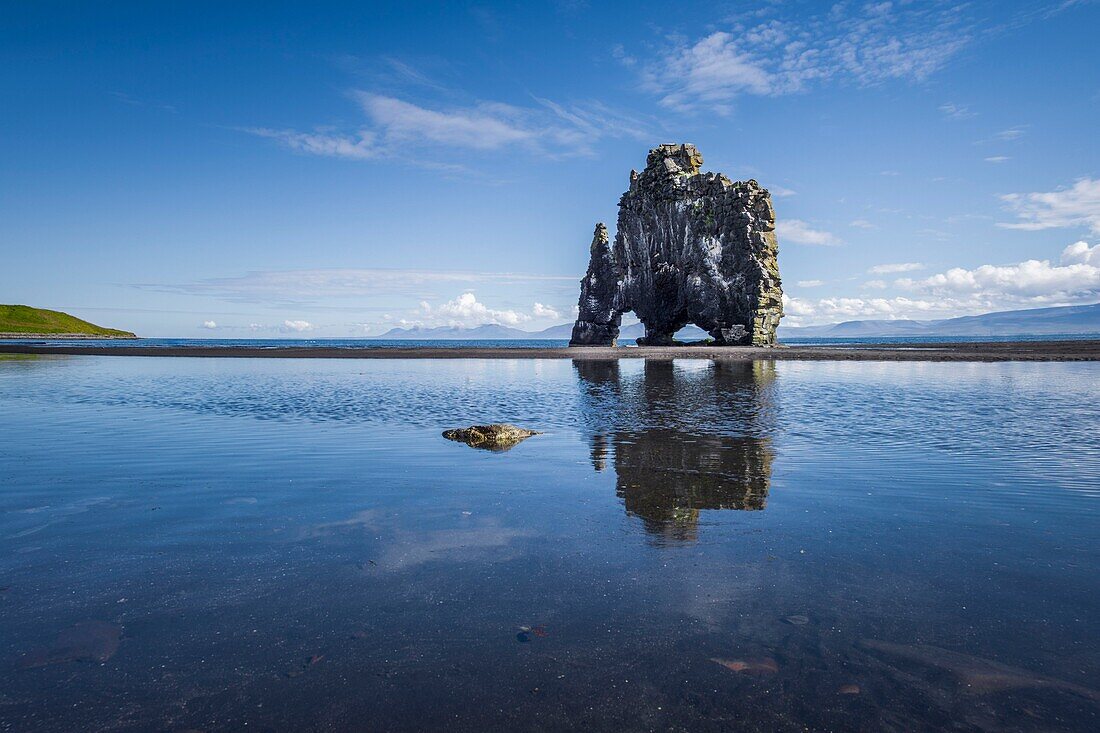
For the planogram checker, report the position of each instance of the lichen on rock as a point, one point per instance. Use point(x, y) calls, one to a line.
point(495, 437)
point(690, 247)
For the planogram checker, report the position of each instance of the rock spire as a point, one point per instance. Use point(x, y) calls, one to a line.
point(690, 247)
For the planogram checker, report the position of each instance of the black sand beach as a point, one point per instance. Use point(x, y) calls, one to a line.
point(1070, 350)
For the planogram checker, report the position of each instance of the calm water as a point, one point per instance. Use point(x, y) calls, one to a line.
point(238, 544)
point(367, 343)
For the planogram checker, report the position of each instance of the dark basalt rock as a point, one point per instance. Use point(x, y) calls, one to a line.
point(690, 247)
point(495, 437)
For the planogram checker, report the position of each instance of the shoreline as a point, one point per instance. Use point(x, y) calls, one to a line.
point(1071, 350)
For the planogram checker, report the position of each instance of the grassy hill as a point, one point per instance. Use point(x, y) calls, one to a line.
point(22, 319)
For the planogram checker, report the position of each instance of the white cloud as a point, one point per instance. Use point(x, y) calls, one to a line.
point(711, 72)
point(810, 283)
point(800, 232)
point(466, 310)
point(862, 44)
point(960, 291)
point(861, 224)
point(1077, 206)
point(1075, 279)
point(1080, 253)
point(875, 284)
point(296, 326)
point(211, 325)
point(544, 311)
point(895, 267)
point(997, 159)
point(826, 310)
point(396, 126)
point(781, 191)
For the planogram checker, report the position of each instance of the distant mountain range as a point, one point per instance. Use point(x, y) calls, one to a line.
point(1070, 320)
point(1074, 319)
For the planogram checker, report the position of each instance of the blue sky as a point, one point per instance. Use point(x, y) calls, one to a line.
point(334, 169)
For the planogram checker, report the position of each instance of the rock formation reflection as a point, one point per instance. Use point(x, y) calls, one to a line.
point(681, 437)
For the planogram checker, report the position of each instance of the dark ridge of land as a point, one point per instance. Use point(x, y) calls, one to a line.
point(1074, 350)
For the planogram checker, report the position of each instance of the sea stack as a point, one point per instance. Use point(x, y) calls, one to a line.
point(690, 247)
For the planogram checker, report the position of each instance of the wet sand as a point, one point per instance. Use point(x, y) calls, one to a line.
point(1076, 350)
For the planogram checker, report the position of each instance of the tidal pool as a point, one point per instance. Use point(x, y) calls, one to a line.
point(291, 545)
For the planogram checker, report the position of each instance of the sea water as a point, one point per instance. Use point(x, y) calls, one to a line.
point(250, 544)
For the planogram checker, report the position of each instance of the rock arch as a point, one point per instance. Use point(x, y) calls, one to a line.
point(689, 247)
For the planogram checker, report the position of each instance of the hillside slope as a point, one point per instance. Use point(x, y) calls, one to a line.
point(22, 320)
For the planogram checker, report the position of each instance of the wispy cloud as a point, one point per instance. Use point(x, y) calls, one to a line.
point(997, 159)
point(800, 232)
point(395, 126)
point(895, 267)
point(856, 43)
point(135, 102)
point(483, 127)
point(957, 111)
point(357, 146)
point(863, 44)
point(1076, 206)
point(810, 283)
point(296, 287)
point(1008, 135)
point(1012, 133)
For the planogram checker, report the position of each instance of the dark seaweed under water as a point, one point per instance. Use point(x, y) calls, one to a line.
point(245, 544)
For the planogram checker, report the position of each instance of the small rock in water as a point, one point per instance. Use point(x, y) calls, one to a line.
point(764, 665)
point(494, 437)
point(848, 690)
point(297, 671)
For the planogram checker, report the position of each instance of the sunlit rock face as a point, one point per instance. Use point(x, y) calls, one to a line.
point(690, 247)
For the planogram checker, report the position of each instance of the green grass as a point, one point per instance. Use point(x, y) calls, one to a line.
point(24, 319)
